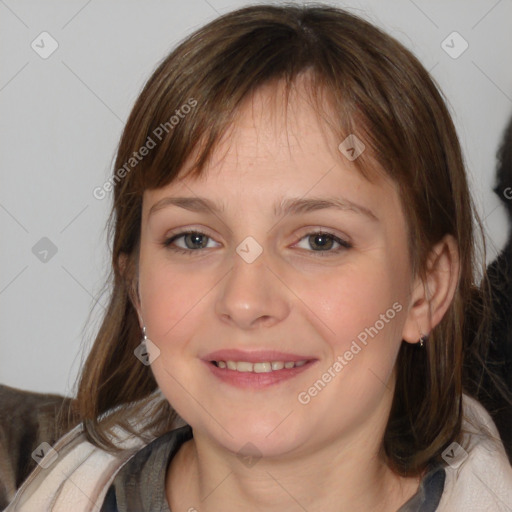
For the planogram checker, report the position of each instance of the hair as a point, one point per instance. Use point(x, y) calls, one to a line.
point(360, 81)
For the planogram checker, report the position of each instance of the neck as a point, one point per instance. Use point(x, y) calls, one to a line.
point(342, 474)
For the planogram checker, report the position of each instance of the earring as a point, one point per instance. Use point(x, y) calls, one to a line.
point(144, 337)
point(423, 339)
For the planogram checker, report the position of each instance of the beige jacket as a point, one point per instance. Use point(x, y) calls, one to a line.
point(75, 475)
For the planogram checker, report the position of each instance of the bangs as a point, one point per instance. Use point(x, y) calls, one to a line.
point(343, 85)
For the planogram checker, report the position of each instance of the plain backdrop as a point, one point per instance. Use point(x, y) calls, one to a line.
point(62, 117)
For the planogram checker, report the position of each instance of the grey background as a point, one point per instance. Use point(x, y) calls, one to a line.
point(61, 119)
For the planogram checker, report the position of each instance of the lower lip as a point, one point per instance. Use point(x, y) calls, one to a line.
point(252, 380)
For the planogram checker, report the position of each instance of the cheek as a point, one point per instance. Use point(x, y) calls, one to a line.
point(172, 310)
point(361, 316)
point(160, 304)
point(168, 295)
point(364, 326)
point(353, 301)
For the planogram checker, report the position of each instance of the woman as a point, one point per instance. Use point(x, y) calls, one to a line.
point(293, 242)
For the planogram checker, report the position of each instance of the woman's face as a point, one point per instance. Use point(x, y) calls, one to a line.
point(257, 279)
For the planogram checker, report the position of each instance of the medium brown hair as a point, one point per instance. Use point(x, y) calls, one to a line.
point(362, 81)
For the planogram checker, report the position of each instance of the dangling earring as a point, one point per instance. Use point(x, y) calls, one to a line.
point(423, 339)
point(147, 351)
point(142, 351)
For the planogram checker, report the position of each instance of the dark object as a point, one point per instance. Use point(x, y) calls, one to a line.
point(28, 419)
point(493, 387)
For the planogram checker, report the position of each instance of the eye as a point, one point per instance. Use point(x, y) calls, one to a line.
point(196, 240)
point(193, 240)
point(325, 240)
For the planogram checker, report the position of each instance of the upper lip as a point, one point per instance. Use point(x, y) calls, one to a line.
point(256, 356)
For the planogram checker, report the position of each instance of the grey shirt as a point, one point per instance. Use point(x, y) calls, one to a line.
point(139, 486)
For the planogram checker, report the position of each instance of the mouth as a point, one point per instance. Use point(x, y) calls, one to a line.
point(259, 375)
point(261, 367)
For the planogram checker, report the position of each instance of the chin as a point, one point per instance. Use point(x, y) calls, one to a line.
point(254, 440)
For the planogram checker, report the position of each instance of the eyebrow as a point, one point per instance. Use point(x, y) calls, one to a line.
point(289, 206)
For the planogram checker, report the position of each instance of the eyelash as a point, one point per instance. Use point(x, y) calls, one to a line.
point(344, 245)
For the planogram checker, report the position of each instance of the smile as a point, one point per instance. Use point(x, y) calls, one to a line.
point(264, 367)
point(260, 375)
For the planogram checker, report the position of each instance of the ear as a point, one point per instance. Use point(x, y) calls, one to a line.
point(131, 281)
point(430, 301)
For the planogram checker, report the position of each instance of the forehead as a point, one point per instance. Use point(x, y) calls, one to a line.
point(275, 149)
point(268, 127)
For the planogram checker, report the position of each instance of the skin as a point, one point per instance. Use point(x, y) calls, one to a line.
point(321, 456)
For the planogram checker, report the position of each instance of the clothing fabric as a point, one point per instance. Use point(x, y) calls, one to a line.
point(140, 484)
point(476, 477)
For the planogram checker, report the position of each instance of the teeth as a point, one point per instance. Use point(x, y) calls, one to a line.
point(262, 367)
point(244, 367)
point(266, 367)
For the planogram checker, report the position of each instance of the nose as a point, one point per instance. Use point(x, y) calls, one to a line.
point(252, 295)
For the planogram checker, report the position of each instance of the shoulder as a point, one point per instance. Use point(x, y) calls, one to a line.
point(74, 472)
point(140, 483)
point(478, 473)
point(28, 419)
